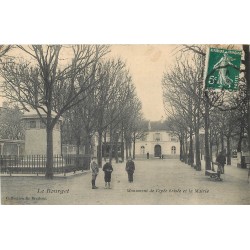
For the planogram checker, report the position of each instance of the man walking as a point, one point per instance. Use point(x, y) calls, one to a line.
point(130, 168)
point(221, 160)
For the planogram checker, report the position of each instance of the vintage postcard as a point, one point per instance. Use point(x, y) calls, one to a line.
point(125, 124)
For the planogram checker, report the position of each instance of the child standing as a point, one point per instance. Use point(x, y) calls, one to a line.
point(95, 171)
point(108, 169)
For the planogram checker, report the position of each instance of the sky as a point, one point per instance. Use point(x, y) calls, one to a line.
point(146, 64)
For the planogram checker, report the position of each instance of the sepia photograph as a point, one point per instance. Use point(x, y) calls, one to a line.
point(125, 124)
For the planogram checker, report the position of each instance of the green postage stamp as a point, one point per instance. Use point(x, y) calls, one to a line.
point(222, 69)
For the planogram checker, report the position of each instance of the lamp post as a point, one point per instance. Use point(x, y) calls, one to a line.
point(116, 146)
point(1, 152)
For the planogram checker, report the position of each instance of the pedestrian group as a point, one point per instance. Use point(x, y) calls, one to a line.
point(108, 169)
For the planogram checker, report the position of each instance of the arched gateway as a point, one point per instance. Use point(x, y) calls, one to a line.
point(157, 151)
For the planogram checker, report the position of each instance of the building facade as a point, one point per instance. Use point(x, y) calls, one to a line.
point(157, 142)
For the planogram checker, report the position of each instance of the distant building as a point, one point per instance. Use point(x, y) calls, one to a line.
point(158, 142)
point(71, 149)
point(11, 147)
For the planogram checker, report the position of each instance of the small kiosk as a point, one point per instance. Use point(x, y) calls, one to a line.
point(36, 136)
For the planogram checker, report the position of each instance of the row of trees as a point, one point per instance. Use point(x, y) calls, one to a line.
point(112, 111)
point(191, 109)
point(92, 92)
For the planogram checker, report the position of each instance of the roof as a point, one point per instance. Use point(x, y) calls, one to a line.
point(157, 126)
point(33, 114)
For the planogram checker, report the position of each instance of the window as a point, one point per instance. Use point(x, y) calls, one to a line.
point(32, 124)
point(173, 138)
point(143, 137)
point(42, 125)
point(142, 150)
point(173, 150)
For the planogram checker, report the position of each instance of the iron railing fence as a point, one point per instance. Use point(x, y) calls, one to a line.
point(36, 164)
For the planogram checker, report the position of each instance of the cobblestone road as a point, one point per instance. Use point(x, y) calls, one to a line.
point(155, 182)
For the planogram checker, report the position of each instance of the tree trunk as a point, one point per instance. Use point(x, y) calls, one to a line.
point(126, 145)
point(191, 149)
point(181, 147)
point(210, 144)
point(197, 141)
point(78, 143)
point(116, 148)
point(104, 147)
point(217, 146)
point(111, 146)
point(222, 141)
point(49, 162)
point(202, 145)
point(122, 146)
point(247, 76)
point(99, 149)
point(88, 146)
point(129, 149)
point(186, 149)
point(239, 147)
point(228, 150)
point(134, 146)
point(197, 149)
point(207, 154)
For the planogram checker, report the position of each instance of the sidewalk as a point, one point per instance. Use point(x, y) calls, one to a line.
point(156, 182)
point(232, 170)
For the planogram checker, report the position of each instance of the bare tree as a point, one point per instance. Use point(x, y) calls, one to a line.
point(182, 88)
point(111, 99)
point(246, 49)
point(4, 49)
point(11, 126)
point(117, 106)
point(133, 123)
point(219, 99)
point(48, 82)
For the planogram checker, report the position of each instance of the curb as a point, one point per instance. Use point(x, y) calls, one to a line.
point(66, 175)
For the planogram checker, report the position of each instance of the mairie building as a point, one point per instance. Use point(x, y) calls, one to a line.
point(157, 142)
